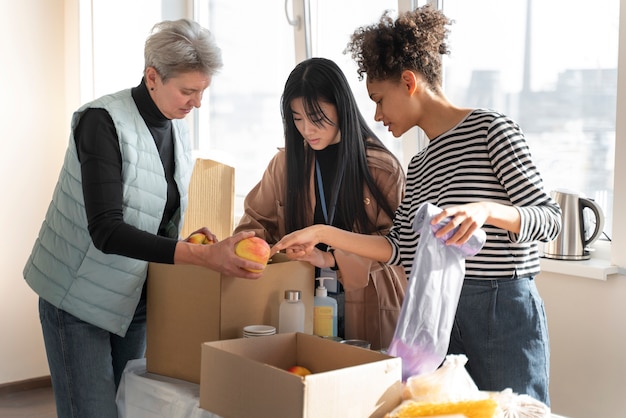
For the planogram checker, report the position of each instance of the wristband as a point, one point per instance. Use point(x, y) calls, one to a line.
point(332, 252)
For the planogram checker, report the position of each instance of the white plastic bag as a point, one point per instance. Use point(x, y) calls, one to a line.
point(423, 330)
point(520, 406)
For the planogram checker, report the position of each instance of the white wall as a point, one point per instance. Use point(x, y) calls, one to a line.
point(38, 40)
point(34, 118)
point(587, 326)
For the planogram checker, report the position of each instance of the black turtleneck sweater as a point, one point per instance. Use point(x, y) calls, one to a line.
point(328, 161)
point(101, 165)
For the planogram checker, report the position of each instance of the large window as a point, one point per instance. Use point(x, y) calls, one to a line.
point(531, 61)
point(552, 66)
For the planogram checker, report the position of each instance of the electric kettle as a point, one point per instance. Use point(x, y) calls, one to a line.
point(576, 234)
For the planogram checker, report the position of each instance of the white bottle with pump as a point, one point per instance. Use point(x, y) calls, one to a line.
point(291, 313)
point(324, 311)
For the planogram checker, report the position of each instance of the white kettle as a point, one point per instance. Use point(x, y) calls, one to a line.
point(575, 238)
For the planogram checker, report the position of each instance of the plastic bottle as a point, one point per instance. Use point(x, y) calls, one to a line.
point(291, 313)
point(324, 311)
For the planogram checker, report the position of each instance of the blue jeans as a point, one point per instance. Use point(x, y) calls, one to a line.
point(501, 327)
point(87, 362)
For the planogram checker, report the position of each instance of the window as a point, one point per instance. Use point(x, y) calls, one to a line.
point(105, 66)
point(240, 124)
point(551, 66)
point(333, 22)
point(555, 73)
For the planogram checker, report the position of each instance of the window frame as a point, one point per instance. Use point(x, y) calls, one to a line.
point(618, 233)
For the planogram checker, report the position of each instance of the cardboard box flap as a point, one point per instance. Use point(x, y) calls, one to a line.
point(211, 199)
point(358, 387)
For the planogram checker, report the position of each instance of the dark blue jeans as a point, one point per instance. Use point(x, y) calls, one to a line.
point(501, 327)
point(87, 362)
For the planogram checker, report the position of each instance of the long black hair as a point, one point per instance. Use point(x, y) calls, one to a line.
point(320, 80)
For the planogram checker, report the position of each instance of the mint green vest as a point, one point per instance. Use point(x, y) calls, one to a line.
point(65, 268)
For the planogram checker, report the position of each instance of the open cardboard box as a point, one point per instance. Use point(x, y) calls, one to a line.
point(211, 198)
point(247, 377)
point(189, 305)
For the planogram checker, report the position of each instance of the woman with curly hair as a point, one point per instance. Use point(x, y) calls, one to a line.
point(477, 167)
point(334, 170)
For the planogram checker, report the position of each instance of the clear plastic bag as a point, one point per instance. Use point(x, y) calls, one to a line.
point(449, 383)
point(423, 330)
point(520, 406)
point(449, 390)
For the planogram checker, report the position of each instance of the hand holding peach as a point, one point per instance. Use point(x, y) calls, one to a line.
point(220, 256)
point(199, 238)
point(254, 249)
point(202, 236)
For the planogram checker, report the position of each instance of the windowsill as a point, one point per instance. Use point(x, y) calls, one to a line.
point(598, 267)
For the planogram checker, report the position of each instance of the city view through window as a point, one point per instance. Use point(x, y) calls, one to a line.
point(529, 60)
point(551, 66)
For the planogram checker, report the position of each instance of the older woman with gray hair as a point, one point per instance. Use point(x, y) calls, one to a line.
point(118, 205)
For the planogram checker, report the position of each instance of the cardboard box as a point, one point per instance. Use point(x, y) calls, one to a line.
point(189, 305)
point(247, 378)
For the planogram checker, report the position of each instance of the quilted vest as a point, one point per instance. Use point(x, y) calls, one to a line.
point(65, 268)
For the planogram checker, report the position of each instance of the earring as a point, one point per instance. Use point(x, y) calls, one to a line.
point(151, 88)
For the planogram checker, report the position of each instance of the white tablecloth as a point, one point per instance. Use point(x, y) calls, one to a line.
point(147, 395)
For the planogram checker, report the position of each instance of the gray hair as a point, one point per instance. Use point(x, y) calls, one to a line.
point(181, 46)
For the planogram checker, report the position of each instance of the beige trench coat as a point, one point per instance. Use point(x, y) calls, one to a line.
point(373, 291)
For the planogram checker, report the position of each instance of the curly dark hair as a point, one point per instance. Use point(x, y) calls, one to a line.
point(414, 41)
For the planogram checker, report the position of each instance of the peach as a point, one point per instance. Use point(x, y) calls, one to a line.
point(199, 238)
point(299, 370)
point(254, 249)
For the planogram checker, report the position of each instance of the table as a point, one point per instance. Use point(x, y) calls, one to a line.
point(147, 395)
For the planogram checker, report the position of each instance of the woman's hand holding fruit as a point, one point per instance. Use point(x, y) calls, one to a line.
point(202, 236)
point(221, 256)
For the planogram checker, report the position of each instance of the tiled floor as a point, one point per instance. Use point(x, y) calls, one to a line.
point(32, 403)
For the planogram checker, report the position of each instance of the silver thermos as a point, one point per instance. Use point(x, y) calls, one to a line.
point(575, 238)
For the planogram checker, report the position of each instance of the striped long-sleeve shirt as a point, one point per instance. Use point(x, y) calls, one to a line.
point(484, 158)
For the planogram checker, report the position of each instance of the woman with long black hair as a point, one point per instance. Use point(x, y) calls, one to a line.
point(333, 170)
